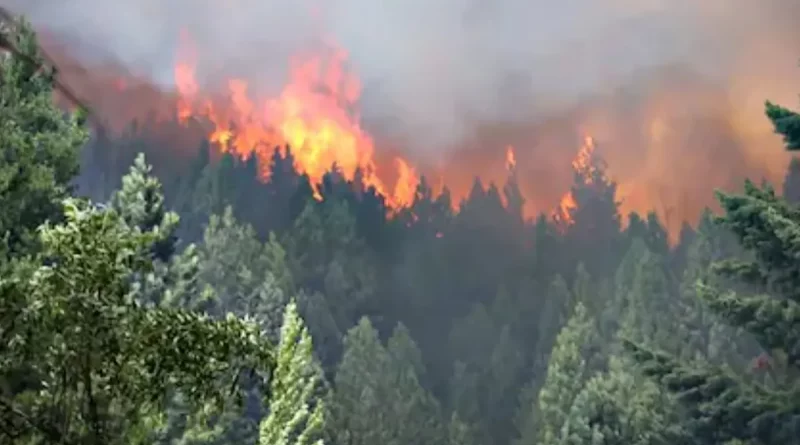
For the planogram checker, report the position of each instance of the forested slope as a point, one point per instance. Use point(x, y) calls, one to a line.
point(192, 303)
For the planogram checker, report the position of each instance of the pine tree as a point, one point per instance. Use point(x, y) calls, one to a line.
point(174, 278)
point(701, 332)
point(140, 203)
point(618, 407)
point(248, 277)
point(786, 123)
point(40, 145)
point(410, 403)
point(360, 394)
point(552, 318)
point(722, 405)
point(296, 412)
point(567, 373)
point(326, 255)
point(593, 226)
point(188, 192)
point(491, 362)
point(326, 333)
point(230, 272)
point(378, 397)
point(649, 313)
point(624, 278)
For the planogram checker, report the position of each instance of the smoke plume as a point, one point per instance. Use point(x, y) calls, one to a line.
point(672, 90)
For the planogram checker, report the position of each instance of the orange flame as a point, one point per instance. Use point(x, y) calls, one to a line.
point(511, 159)
point(313, 114)
point(583, 167)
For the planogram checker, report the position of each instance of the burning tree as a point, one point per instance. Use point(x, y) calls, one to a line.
point(588, 215)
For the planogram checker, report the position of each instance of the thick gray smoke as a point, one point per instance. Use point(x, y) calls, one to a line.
point(436, 67)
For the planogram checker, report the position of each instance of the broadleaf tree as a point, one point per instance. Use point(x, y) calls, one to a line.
point(100, 366)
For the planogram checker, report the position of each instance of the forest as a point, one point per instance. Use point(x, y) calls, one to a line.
point(146, 299)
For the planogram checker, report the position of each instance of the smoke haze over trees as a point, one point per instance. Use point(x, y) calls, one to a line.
point(666, 87)
point(164, 296)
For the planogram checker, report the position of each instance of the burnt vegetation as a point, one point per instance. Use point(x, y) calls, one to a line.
point(192, 303)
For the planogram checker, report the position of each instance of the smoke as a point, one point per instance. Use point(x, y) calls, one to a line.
point(434, 68)
point(660, 83)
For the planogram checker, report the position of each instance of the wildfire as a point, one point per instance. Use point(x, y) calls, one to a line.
point(584, 167)
point(313, 114)
point(644, 123)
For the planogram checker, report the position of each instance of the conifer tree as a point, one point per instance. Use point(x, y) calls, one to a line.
point(410, 402)
point(492, 360)
point(722, 405)
point(234, 273)
point(567, 373)
point(378, 397)
point(174, 278)
point(612, 315)
point(649, 312)
point(40, 144)
point(619, 407)
point(326, 255)
point(593, 226)
point(140, 202)
point(701, 331)
point(249, 278)
point(786, 123)
point(552, 318)
point(324, 330)
point(296, 412)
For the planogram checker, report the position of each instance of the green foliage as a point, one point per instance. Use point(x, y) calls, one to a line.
point(619, 408)
point(567, 372)
point(140, 203)
point(378, 397)
point(296, 413)
point(724, 406)
point(325, 252)
point(649, 313)
point(787, 123)
point(554, 315)
point(702, 333)
point(102, 338)
point(249, 277)
point(174, 279)
point(490, 357)
point(39, 144)
point(101, 367)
